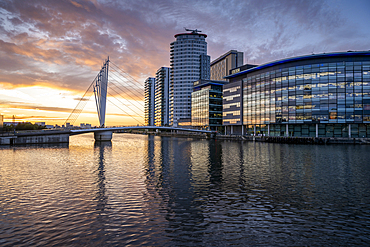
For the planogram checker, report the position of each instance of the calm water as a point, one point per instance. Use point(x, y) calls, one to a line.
point(145, 190)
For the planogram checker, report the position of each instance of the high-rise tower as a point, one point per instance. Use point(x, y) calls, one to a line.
point(189, 62)
point(149, 101)
point(162, 85)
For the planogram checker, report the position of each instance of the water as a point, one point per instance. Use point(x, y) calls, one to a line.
point(146, 190)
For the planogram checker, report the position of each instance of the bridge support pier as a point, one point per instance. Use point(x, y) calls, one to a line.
point(104, 135)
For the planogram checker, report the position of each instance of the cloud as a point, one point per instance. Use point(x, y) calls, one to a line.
point(29, 106)
point(16, 94)
point(81, 99)
point(63, 43)
point(34, 118)
point(21, 105)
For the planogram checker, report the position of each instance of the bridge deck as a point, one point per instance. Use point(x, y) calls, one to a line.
point(80, 131)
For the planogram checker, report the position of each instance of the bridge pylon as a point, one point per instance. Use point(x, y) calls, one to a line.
point(100, 92)
point(103, 136)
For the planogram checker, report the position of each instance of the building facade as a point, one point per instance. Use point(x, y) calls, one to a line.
point(162, 104)
point(206, 104)
point(187, 60)
point(232, 106)
point(205, 73)
point(149, 101)
point(220, 67)
point(323, 95)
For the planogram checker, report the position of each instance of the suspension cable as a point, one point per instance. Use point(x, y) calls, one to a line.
point(137, 94)
point(80, 106)
point(123, 96)
point(131, 79)
point(132, 87)
point(124, 111)
point(122, 103)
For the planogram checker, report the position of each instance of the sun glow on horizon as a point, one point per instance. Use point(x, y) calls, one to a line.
point(54, 106)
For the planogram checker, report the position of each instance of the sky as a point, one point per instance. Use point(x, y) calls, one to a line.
point(51, 50)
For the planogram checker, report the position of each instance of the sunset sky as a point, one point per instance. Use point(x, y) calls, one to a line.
point(52, 50)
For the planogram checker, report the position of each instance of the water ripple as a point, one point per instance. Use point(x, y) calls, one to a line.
point(150, 190)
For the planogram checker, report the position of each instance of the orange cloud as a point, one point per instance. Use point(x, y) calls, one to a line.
point(76, 4)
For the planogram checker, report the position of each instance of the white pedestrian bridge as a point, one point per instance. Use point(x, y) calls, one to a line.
point(105, 134)
point(100, 134)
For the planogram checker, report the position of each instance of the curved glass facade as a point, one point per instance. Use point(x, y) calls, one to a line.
point(318, 95)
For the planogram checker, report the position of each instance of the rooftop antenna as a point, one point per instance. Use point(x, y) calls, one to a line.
point(194, 31)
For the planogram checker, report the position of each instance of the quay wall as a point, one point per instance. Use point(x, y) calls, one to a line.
point(271, 139)
point(34, 139)
point(297, 140)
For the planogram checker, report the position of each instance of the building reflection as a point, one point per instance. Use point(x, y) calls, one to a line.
point(215, 165)
point(170, 182)
point(195, 184)
point(36, 145)
point(233, 166)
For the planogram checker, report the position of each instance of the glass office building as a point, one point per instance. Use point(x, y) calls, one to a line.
point(206, 104)
point(323, 95)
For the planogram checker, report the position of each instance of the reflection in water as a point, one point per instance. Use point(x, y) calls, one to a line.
point(100, 148)
point(36, 145)
point(102, 221)
point(150, 190)
point(214, 163)
point(169, 178)
point(184, 214)
point(254, 191)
